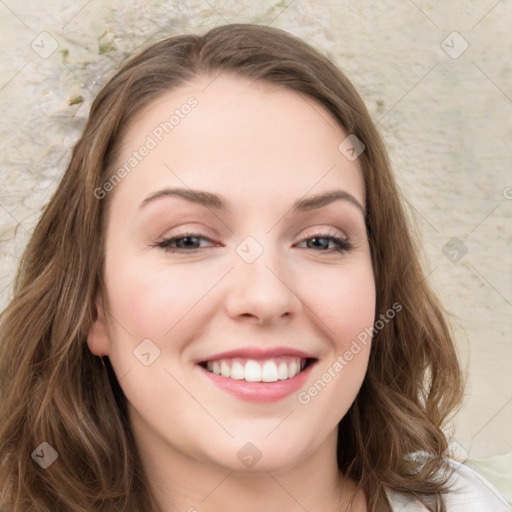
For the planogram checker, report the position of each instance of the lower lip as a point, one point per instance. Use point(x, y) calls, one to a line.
point(260, 391)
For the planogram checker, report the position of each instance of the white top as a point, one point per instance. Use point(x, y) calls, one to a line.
point(469, 493)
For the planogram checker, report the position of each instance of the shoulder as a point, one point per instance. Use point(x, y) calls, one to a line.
point(469, 492)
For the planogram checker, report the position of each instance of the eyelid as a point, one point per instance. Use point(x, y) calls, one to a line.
point(331, 232)
point(324, 232)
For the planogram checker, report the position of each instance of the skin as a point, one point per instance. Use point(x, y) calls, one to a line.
point(262, 148)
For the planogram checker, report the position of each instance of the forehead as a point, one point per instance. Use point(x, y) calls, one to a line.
point(231, 135)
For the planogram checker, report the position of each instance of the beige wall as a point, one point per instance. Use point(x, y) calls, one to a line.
point(444, 110)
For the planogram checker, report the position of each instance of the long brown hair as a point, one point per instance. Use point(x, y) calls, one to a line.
point(54, 390)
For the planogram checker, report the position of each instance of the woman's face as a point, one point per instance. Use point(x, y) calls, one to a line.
point(259, 281)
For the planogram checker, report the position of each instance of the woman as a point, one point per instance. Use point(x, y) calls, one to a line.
point(222, 308)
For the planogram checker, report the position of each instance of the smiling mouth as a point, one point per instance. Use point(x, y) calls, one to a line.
point(255, 370)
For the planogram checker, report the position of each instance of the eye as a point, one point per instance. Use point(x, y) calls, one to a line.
point(183, 242)
point(190, 242)
point(321, 242)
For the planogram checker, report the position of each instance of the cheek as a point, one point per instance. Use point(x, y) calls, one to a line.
point(345, 302)
point(149, 301)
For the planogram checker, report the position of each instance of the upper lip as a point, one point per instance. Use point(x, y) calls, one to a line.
point(258, 353)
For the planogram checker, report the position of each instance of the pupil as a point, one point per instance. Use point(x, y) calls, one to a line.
point(189, 240)
point(314, 242)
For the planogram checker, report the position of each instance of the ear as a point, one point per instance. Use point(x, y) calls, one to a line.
point(97, 337)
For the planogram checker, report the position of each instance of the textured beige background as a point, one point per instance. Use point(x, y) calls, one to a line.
point(447, 120)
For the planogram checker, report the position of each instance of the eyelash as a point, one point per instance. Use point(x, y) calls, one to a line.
point(342, 244)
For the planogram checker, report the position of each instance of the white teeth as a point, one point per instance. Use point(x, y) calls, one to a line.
point(270, 370)
point(225, 370)
point(292, 370)
point(252, 371)
point(282, 371)
point(237, 371)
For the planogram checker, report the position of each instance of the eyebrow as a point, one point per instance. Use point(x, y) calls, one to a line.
point(215, 202)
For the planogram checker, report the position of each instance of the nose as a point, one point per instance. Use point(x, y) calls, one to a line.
point(262, 291)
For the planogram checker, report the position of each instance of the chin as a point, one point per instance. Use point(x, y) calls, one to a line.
point(262, 456)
